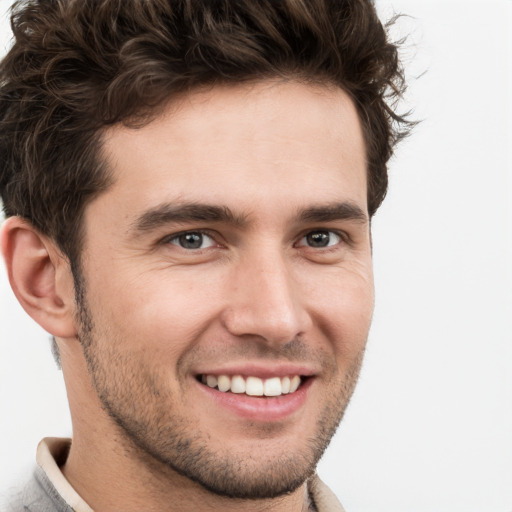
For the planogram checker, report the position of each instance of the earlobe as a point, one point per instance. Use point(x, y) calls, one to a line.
point(40, 277)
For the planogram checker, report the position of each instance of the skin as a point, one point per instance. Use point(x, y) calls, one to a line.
point(288, 162)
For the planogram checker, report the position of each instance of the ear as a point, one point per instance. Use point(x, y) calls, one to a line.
point(40, 277)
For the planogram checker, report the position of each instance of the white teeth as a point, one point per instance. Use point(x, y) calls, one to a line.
point(272, 387)
point(285, 385)
point(224, 383)
point(253, 386)
point(211, 381)
point(294, 383)
point(237, 384)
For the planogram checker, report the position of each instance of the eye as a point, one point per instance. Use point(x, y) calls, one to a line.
point(192, 240)
point(320, 239)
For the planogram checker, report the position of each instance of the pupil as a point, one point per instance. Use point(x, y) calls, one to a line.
point(318, 239)
point(191, 240)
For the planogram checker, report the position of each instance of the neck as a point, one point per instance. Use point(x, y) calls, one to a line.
point(109, 481)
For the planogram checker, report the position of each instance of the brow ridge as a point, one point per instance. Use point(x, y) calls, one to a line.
point(166, 213)
point(345, 210)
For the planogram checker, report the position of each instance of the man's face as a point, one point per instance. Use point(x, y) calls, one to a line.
point(232, 248)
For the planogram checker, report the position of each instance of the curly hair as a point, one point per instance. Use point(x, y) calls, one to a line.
point(79, 66)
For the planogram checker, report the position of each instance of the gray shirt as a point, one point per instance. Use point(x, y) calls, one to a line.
point(39, 495)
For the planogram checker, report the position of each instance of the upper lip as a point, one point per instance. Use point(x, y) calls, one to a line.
point(261, 370)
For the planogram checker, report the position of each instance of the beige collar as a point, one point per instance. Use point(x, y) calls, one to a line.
point(323, 498)
point(49, 451)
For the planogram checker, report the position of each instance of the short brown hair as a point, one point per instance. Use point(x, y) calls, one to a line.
point(78, 66)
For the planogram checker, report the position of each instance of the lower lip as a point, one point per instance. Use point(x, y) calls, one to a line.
point(263, 409)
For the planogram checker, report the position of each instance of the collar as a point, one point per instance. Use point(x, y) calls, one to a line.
point(51, 451)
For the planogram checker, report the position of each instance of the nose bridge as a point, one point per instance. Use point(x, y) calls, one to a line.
point(266, 301)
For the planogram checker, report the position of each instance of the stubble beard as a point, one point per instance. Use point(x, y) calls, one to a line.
point(140, 404)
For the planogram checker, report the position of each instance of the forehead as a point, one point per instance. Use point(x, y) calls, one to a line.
point(261, 141)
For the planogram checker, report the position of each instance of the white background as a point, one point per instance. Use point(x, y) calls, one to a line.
point(430, 425)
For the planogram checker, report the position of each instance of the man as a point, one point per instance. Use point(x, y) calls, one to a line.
point(188, 189)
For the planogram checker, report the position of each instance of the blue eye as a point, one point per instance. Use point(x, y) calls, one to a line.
point(320, 239)
point(193, 240)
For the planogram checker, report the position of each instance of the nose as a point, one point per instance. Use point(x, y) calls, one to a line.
point(265, 301)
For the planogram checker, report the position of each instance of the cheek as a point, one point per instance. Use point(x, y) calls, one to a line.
point(344, 309)
point(169, 309)
point(163, 309)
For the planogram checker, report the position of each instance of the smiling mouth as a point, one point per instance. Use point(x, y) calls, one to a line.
point(253, 386)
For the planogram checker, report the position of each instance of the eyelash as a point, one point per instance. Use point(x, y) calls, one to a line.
point(169, 239)
point(341, 235)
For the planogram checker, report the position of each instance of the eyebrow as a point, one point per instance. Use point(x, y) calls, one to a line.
point(185, 212)
point(168, 213)
point(332, 212)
